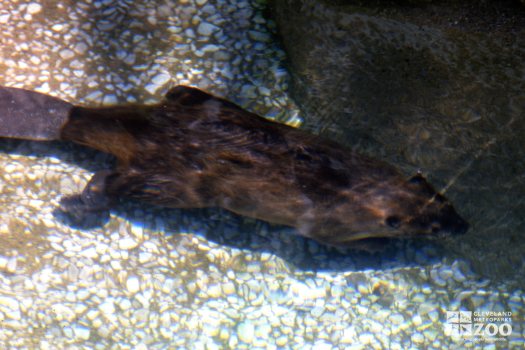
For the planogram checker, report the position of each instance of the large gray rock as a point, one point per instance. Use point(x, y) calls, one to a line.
point(434, 87)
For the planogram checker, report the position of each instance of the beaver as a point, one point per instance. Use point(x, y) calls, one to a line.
point(197, 150)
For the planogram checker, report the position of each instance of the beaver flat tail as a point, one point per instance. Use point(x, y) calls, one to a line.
point(31, 115)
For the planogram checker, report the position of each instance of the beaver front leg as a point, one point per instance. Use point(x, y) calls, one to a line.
point(91, 207)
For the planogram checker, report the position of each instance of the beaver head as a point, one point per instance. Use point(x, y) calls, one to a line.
point(414, 208)
point(392, 208)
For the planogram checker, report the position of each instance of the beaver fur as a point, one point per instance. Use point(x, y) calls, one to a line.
point(195, 150)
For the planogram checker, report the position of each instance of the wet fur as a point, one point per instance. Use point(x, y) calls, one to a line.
point(195, 150)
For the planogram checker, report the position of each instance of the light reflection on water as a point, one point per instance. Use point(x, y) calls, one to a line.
point(208, 278)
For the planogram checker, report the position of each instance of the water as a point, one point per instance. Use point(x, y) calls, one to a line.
point(421, 96)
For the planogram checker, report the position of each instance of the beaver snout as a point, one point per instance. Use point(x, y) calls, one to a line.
point(451, 222)
point(448, 222)
point(455, 225)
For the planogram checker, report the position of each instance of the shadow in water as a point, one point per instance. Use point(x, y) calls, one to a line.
point(228, 229)
point(66, 152)
point(254, 236)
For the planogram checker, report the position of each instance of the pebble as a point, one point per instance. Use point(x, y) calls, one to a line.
point(63, 312)
point(57, 27)
point(67, 54)
point(206, 29)
point(459, 276)
point(430, 334)
point(151, 88)
point(109, 99)
point(145, 257)
point(81, 333)
point(246, 332)
point(80, 48)
point(11, 265)
point(44, 88)
point(214, 291)
point(426, 289)
point(418, 298)
point(89, 253)
point(288, 319)
point(92, 314)
point(434, 316)
point(210, 48)
point(124, 304)
point(107, 307)
point(436, 277)
point(397, 319)
point(9, 303)
point(127, 243)
point(161, 79)
point(417, 320)
point(418, 338)
point(317, 311)
point(366, 338)
point(4, 18)
point(426, 307)
point(259, 36)
point(228, 288)
point(68, 332)
point(133, 284)
point(34, 8)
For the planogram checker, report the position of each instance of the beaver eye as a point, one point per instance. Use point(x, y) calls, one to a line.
point(417, 179)
point(393, 221)
point(435, 227)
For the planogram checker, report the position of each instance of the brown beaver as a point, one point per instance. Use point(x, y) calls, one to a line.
point(195, 150)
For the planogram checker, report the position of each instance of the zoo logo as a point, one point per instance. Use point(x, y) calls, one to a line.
point(459, 323)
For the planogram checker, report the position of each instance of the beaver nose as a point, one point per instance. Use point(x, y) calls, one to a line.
point(456, 225)
point(451, 223)
point(461, 227)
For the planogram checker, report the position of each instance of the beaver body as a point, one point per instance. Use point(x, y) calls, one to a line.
point(195, 150)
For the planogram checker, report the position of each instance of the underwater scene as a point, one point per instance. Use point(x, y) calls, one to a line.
point(144, 204)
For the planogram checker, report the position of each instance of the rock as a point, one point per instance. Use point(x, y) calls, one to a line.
point(214, 291)
point(80, 48)
point(161, 79)
point(4, 18)
point(206, 29)
point(417, 338)
point(67, 54)
point(81, 332)
point(246, 331)
point(210, 48)
point(90, 252)
point(281, 341)
point(133, 284)
point(107, 308)
point(9, 303)
point(366, 338)
point(127, 243)
point(34, 8)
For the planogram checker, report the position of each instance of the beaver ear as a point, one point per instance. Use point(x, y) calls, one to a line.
point(186, 95)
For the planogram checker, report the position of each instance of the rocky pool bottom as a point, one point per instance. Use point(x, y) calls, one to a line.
point(163, 279)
